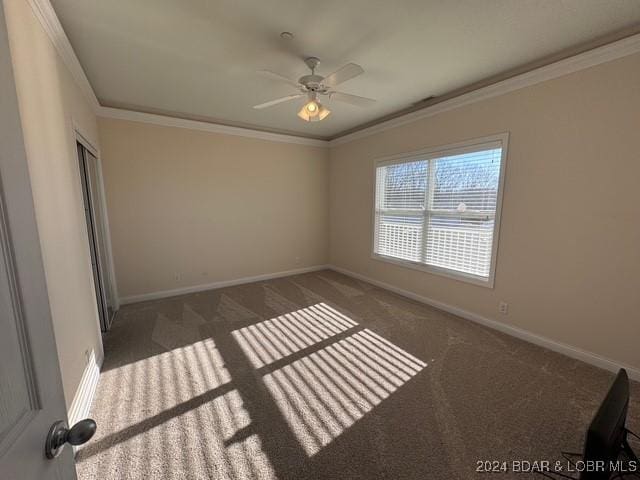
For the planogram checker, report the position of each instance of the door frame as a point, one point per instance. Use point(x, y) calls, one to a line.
point(110, 274)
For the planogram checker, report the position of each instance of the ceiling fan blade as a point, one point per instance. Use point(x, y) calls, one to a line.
point(343, 74)
point(352, 99)
point(278, 100)
point(281, 78)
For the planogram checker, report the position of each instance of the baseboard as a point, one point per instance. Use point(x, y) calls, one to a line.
point(212, 286)
point(565, 349)
point(81, 404)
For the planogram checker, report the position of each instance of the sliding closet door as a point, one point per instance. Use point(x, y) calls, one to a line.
point(101, 240)
point(95, 229)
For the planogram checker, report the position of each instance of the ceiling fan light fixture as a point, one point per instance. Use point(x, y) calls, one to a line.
point(313, 111)
point(323, 113)
point(304, 115)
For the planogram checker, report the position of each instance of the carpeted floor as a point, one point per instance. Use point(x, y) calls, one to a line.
point(320, 376)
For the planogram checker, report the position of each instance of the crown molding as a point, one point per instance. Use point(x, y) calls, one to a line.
point(45, 13)
point(590, 58)
point(612, 51)
point(47, 17)
point(166, 121)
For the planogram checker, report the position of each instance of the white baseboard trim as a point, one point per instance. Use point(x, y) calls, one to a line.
point(565, 349)
point(215, 285)
point(81, 404)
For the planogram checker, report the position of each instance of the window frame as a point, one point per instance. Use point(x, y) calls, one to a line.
point(500, 140)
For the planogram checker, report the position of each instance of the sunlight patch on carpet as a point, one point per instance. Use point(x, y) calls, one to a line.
point(279, 337)
point(323, 393)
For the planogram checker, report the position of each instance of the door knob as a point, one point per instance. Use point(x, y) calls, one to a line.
point(59, 434)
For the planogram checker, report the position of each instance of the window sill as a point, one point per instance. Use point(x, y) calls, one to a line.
point(451, 274)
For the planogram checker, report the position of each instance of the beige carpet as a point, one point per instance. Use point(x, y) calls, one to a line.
point(320, 376)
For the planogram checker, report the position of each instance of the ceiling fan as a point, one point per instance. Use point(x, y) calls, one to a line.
point(312, 86)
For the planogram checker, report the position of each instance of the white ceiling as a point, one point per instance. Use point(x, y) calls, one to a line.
point(200, 58)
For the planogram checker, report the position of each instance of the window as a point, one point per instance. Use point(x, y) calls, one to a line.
point(439, 210)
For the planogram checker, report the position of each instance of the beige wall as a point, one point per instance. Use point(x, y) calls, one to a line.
point(569, 253)
point(189, 207)
point(50, 104)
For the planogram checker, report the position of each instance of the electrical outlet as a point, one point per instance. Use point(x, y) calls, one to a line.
point(503, 308)
point(177, 277)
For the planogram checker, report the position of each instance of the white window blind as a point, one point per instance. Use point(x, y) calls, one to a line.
point(440, 210)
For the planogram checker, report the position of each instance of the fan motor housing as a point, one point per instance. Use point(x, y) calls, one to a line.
point(312, 82)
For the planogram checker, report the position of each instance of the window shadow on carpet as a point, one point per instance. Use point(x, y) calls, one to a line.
point(258, 401)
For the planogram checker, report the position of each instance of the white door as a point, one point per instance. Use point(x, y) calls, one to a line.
point(31, 397)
